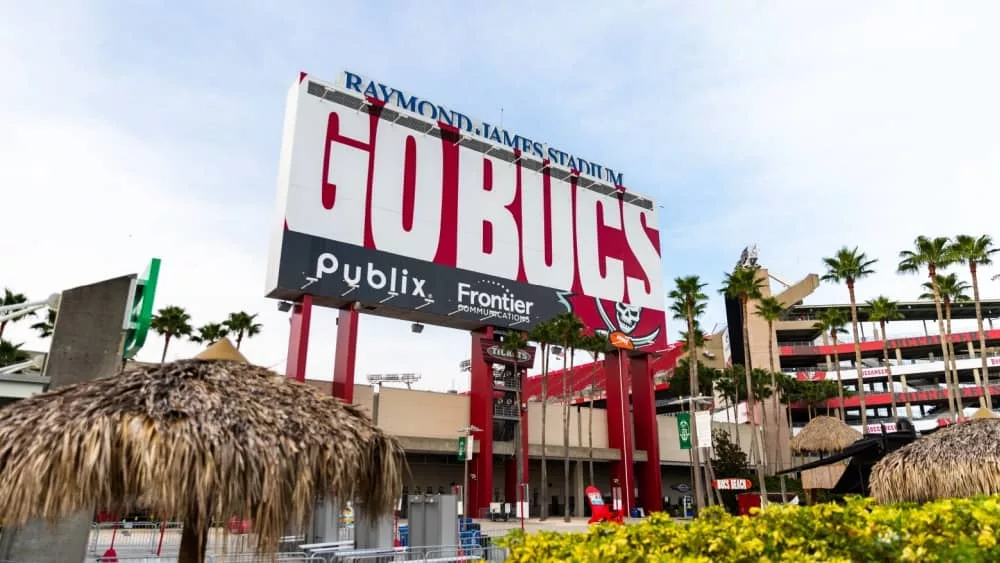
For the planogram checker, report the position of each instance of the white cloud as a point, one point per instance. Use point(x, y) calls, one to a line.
point(795, 126)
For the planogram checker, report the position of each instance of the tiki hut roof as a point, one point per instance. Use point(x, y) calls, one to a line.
point(197, 439)
point(222, 350)
point(983, 412)
point(824, 434)
point(960, 460)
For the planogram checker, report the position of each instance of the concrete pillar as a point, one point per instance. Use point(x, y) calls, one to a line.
point(87, 343)
point(902, 382)
point(976, 376)
point(579, 489)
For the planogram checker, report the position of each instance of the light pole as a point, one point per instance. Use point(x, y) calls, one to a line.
point(467, 432)
point(377, 379)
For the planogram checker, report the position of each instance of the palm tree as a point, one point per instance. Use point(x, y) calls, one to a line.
point(977, 251)
point(725, 384)
point(831, 322)
point(596, 345)
point(171, 321)
point(11, 353)
point(568, 332)
point(933, 254)
point(210, 333)
point(11, 298)
point(689, 302)
point(771, 309)
point(514, 342)
point(847, 266)
point(744, 284)
point(951, 290)
point(883, 310)
point(243, 325)
point(46, 327)
point(544, 334)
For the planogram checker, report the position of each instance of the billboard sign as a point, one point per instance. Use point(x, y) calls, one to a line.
point(413, 210)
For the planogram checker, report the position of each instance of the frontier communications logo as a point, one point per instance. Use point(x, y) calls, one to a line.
point(492, 300)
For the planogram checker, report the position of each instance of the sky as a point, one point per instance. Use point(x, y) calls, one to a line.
point(134, 129)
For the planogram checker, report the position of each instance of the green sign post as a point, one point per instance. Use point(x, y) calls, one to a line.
point(463, 450)
point(684, 430)
point(141, 312)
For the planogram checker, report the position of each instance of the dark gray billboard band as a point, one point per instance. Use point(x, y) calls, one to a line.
point(340, 273)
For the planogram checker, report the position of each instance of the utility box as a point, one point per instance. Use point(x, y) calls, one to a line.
point(326, 522)
point(433, 521)
point(373, 531)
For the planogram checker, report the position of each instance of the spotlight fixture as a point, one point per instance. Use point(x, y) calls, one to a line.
point(416, 328)
point(284, 306)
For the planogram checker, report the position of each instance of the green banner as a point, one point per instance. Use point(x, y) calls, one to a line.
point(462, 448)
point(684, 430)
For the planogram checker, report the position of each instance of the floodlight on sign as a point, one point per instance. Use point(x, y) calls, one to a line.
point(407, 379)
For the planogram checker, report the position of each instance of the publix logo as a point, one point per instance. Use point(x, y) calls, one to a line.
point(392, 280)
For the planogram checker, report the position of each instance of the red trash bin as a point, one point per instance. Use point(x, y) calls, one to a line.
point(746, 501)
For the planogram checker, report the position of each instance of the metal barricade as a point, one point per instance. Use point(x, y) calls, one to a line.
point(128, 538)
point(281, 557)
point(335, 552)
point(133, 559)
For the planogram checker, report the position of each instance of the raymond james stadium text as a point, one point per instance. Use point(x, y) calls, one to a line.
point(442, 114)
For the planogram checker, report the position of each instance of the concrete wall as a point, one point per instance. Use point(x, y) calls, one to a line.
point(670, 451)
point(405, 412)
point(579, 420)
point(436, 417)
point(86, 344)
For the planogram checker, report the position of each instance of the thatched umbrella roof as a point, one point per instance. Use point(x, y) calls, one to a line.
point(983, 412)
point(960, 460)
point(199, 439)
point(824, 434)
point(222, 350)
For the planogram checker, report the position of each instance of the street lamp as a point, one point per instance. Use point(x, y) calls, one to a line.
point(377, 379)
point(467, 432)
point(12, 312)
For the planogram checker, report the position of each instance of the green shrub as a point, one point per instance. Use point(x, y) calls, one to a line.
point(955, 530)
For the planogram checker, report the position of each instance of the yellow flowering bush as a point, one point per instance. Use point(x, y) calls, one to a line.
point(954, 530)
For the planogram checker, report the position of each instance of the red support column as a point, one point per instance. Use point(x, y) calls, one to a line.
point(647, 435)
point(298, 339)
point(620, 426)
point(347, 348)
point(510, 467)
point(481, 416)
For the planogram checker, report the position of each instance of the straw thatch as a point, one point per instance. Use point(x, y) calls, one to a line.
point(824, 434)
point(201, 440)
point(984, 412)
point(961, 460)
point(222, 350)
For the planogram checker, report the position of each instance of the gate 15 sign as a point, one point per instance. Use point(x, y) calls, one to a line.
point(380, 205)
